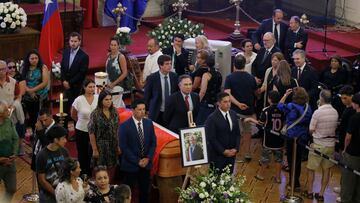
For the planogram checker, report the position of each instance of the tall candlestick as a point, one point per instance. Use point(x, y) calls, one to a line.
point(61, 104)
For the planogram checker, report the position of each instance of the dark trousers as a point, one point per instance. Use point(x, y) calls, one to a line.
point(299, 151)
point(140, 178)
point(159, 120)
point(84, 151)
point(32, 109)
point(221, 164)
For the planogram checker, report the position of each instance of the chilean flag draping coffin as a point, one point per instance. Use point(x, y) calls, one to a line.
point(52, 36)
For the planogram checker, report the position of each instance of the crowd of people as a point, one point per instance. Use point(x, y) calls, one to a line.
point(272, 85)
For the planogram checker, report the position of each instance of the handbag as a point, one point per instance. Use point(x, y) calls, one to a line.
point(285, 128)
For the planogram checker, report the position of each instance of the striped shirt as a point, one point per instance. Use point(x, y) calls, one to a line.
point(324, 123)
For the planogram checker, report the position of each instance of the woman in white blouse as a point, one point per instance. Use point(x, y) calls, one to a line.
point(247, 46)
point(71, 188)
point(80, 112)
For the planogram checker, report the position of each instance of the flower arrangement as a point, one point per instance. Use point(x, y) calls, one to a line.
point(170, 26)
point(123, 35)
point(12, 17)
point(215, 187)
point(120, 9)
point(56, 70)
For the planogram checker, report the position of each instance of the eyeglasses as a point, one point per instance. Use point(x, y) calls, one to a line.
point(11, 67)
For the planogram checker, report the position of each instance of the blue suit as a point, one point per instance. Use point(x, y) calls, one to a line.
point(130, 144)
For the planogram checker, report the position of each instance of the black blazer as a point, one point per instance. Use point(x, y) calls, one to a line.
point(292, 38)
point(181, 62)
point(219, 137)
point(259, 66)
point(196, 154)
point(78, 70)
point(267, 26)
point(175, 115)
point(153, 93)
point(309, 80)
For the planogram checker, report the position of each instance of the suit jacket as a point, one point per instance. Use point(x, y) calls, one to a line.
point(130, 144)
point(153, 93)
point(181, 62)
point(292, 38)
point(75, 74)
point(267, 26)
point(220, 137)
point(259, 65)
point(175, 115)
point(309, 81)
point(197, 153)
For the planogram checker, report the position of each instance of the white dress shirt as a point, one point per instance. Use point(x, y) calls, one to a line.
point(151, 65)
point(229, 117)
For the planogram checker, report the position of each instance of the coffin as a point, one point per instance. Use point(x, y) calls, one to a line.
point(170, 161)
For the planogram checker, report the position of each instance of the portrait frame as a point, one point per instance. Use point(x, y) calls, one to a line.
point(193, 146)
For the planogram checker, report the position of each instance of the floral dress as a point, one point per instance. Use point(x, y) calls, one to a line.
point(105, 130)
point(93, 195)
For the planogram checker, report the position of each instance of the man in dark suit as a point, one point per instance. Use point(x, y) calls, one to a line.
point(263, 58)
point(159, 86)
point(179, 103)
point(179, 55)
point(306, 76)
point(195, 151)
point(296, 37)
point(74, 66)
point(138, 143)
point(222, 134)
point(273, 25)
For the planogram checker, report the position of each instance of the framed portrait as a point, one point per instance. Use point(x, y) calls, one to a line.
point(193, 146)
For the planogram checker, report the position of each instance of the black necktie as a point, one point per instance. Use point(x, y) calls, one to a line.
point(227, 120)
point(167, 88)
point(142, 140)
point(298, 73)
point(265, 56)
point(276, 34)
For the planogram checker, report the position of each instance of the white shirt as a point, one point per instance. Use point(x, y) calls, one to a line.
point(191, 106)
point(151, 65)
point(65, 193)
point(73, 53)
point(228, 116)
point(84, 110)
point(252, 59)
point(137, 125)
point(324, 123)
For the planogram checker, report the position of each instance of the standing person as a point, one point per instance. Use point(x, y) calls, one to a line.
point(201, 58)
point(272, 119)
point(71, 188)
point(274, 25)
point(283, 80)
point(179, 55)
point(292, 111)
point(179, 103)
point(48, 164)
point(43, 125)
point(322, 128)
point(158, 88)
point(151, 62)
point(74, 67)
point(116, 68)
point(306, 76)
point(241, 86)
point(138, 143)
point(80, 112)
point(8, 150)
point(36, 75)
point(250, 56)
point(223, 134)
point(102, 128)
point(201, 43)
point(350, 182)
point(296, 37)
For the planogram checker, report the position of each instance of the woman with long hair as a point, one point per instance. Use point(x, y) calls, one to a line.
point(102, 191)
point(80, 112)
point(103, 127)
point(36, 75)
point(201, 58)
point(71, 188)
point(116, 68)
point(250, 56)
point(283, 80)
point(201, 43)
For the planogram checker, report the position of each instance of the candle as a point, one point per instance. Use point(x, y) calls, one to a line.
point(61, 103)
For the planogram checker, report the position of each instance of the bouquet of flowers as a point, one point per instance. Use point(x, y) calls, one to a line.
point(12, 17)
point(215, 187)
point(56, 70)
point(170, 26)
point(123, 35)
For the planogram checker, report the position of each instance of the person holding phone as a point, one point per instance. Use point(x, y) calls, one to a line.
point(8, 148)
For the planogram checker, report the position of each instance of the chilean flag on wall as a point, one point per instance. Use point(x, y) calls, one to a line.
point(52, 36)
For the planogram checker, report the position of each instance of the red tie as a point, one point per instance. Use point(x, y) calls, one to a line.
point(187, 102)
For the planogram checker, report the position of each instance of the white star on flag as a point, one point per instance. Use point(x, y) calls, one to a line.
point(47, 2)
